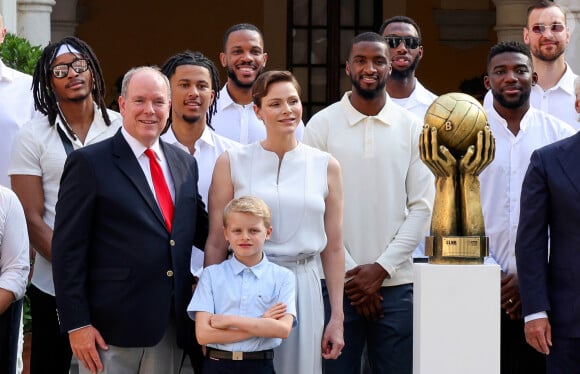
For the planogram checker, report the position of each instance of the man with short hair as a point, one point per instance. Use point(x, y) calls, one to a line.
point(376, 141)
point(127, 216)
point(243, 58)
point(69, 89)
point(16, 108)
point(194, 80)
point(518, 129)
point(547, 35)
point(403, 37)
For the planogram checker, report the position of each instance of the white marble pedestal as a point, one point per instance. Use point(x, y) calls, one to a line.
point(456, 319)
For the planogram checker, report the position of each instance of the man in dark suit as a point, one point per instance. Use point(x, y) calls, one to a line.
point(547, 254)
point(127, 216)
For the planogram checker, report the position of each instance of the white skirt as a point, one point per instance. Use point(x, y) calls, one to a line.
point(302, 351)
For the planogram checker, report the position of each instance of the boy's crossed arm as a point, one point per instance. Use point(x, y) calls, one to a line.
point(225, 329)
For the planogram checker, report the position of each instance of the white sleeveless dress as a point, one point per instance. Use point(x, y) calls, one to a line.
point(296, 195)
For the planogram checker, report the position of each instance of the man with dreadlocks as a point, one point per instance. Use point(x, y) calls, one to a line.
point(69, 89)
point(194, 80)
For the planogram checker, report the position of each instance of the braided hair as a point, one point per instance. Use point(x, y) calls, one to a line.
point(45, 100)
point(196, 59)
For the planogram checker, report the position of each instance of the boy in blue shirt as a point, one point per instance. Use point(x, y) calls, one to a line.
point(244, 306)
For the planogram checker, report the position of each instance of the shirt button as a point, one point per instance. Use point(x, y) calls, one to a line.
point(172, 242)
point(169, 273)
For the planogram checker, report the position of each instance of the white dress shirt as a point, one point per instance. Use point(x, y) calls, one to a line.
point(239, 122)
point(207, 150)
point(418, 102)
point(558, 101)
point(16, 108)
point(501, 182)
point(14, 261)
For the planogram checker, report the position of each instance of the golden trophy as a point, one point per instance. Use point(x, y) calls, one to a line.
point(456, 144)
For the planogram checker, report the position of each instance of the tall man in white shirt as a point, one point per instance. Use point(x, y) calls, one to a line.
point(403, 37)
point(388, 196)
point(194, 80)
point(243, 58)
point(519, 129)
point(16, 108)
point(547, 35)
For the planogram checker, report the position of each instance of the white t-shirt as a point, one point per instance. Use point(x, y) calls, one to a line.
point(38, 150)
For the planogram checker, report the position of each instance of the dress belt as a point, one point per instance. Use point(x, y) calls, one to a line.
point(238, 356)
point(298, 261)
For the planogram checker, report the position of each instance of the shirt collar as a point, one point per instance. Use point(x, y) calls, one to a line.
point(354, 117)
point(205, 138)
point(257, 270)
point(138, 148)
point(6, 74)
point(421, 94)
point(225, 99)
point(523, 122)
point(566, 83)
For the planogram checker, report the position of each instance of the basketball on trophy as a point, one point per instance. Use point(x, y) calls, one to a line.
point(458, 118)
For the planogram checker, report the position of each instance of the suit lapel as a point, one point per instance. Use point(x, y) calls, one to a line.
point(569, 158)
point(178, 173)
point(125, 160)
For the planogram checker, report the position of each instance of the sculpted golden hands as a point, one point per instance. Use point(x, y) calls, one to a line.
point(480, 155)
point(443, 164)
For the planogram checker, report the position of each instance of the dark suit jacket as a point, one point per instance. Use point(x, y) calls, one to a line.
point(115, 265)
point(551, 201)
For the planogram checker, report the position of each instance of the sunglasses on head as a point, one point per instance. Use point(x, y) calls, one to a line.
point(411, 42)
point(79, 65)
point(539, 28)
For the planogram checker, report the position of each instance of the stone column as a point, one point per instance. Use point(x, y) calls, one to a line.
point(573, 21)
point(510, 18)
point(64, 19)
point(8, 11)
point(34, 20)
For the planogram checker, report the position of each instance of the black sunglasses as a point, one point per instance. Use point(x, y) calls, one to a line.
point(539, 28)
point(411, 42)
point(79, 65)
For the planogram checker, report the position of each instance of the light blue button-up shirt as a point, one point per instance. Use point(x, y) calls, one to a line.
point(232, 288)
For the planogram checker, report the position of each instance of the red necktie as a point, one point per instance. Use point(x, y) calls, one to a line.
point(161, 189)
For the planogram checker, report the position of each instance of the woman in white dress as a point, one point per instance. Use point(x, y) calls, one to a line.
point(303, 188)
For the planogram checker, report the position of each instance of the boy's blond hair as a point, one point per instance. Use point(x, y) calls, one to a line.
point(250, 205)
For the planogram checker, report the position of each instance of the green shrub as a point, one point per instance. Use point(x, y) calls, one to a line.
point(17, 53)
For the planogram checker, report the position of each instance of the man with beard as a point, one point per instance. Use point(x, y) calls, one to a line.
point(193, 79)
point(519, 129)
point(243, 58)
point(388, 198)
point(547, 36)
point(403, 37)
